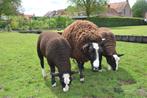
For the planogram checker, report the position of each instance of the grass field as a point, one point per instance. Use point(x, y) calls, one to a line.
point(126, 30)
point(20, 73)
point(130, 30)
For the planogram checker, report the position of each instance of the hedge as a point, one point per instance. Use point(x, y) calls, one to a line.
point(116, 21)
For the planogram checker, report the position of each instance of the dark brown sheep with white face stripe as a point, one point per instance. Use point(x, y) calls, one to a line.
point(108, 48)
point(84, 42)
point(57, 51)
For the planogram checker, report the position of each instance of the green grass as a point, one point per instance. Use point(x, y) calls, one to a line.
point(130, 30)
point(125, 30)
point(20, 73)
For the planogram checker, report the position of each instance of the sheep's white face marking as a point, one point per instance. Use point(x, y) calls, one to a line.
point(96, 61)
point(116, 60)
point(66, 78)
point(43, 73)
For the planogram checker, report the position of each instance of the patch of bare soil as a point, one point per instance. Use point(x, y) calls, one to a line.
point(142, 92)
point(127, 82)
point(92, 96)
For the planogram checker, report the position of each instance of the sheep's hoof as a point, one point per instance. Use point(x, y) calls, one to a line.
point(81, 80)
point(101, 70)
point(53, 85)
point(65, 89)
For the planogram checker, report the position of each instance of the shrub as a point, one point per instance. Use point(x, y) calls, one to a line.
point(52, 23)
point(21, 23)
point(116, 21)
point(3, 24)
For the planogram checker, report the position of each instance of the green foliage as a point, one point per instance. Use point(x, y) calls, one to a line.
point(3, 24)
point(52, 23)
point(139, 8)
point(89, 6)
point(20, 73)
point(9, 7)
point(21, 23)
point(116, 21)
point(38, 24)
point(62, 22)
point(71, 10)
point(59, 22)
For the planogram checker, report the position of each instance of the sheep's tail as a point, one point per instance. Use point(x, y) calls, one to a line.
point(40, 55)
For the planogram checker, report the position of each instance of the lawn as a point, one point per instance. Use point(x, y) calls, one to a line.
point(130, 30)
point(20, 73)
point(125, 30)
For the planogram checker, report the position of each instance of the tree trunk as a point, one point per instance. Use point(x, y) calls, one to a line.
point(88, 12)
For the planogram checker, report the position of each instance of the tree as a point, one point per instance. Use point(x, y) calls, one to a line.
point(9, 7)
point(71, 10)
point(89, 6)
point(139, 8)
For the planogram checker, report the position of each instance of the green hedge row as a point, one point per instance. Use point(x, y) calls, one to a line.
point(116, 21)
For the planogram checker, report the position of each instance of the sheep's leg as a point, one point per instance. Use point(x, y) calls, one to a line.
point(80, 65)
point(53, 81)
point(100, 62)
point(43, 70)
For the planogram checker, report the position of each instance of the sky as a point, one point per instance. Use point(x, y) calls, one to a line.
point(41, 7)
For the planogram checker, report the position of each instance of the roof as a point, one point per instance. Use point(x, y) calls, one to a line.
point(118, 6)
point(112, 11)
point(55, 13)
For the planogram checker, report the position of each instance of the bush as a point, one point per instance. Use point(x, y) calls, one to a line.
point(59, 22)
point(38, 24)
point(21, 23)
point(116, 21)
point(3, 24)
point(52, 23)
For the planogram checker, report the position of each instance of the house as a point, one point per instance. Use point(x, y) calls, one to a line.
point(113, 9)
point(56, 13)
point(119, 9)
point(27, 16)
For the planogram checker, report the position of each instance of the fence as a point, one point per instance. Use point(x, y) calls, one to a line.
point(130, 38)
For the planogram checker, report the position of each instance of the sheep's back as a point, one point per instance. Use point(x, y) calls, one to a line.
point(110, 42)
point(56, 49)
point(79, 33)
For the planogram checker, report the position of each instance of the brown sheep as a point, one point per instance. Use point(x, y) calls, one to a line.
point(84, 42)
point(108, 48)
point(57, 51)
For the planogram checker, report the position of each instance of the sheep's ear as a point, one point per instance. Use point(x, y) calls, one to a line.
point(102, 42)
point(73, 72)
point(55, 74)
point(119, 55)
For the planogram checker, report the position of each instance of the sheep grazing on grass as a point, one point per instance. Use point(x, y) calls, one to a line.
point(108, 48)
point(57, 51)
point(84, 42)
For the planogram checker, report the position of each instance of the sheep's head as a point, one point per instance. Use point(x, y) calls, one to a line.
point(113, 61)
point(65, 79)
point(91, 51)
